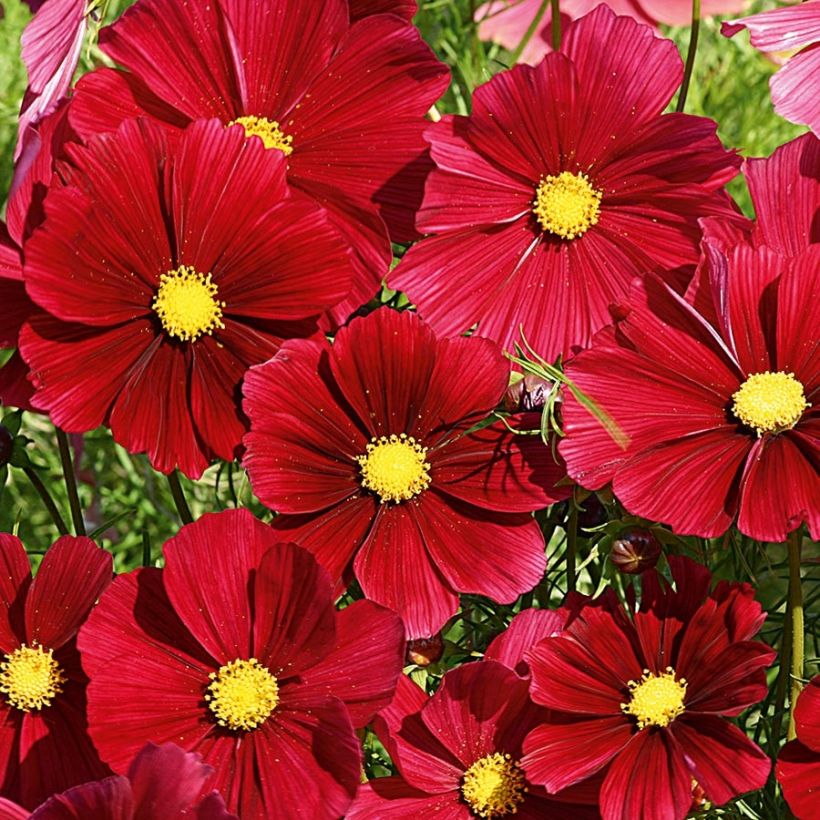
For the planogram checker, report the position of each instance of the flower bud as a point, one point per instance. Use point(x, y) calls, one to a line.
point(635, 550)
point(424, 651)
point(527, 394)
point(591, 515)
point(6, 445)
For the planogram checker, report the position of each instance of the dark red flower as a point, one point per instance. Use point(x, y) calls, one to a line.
point(459, 753)
point(363, 447)
point(44, 743)
point(565, 183)
point(646, 694)
point(344, 102)
point(794, 87)
point(163, 782)
point(167, 267)
point(235, 651)
point(798, 765)
point(364, 8)
point(716, 420)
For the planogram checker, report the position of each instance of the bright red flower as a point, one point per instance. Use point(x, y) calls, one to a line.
point(646, 693)
point(794, 87)
point(506, 23)
point(459, 753)
point(162, 782)
point(719, 419)
point(363, 447)
point(541, 222)
point(798, 764)
point(344, 102)
point(167, 268)
point(44, 743)
point(364, 8)
point(173, 654)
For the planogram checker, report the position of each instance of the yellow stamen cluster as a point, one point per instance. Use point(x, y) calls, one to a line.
point(656, 699)
point(770, 402)
point(268, 131)
point(30, 678)
point(242, 694)
point(494, 786)
point(187, 304)
point(567, 205)
point(395, 468)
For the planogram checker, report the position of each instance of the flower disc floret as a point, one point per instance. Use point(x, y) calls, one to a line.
point(494, 786)
point(395, 468)
point(770, 402)
point(567, 205)
point(187, 304)
point(656, 699)
point(242, 694)
point(268, 131)
point(30, 678)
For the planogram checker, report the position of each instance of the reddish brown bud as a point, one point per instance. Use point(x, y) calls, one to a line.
point(529, 393)
point(635, 550)
point(424, 651)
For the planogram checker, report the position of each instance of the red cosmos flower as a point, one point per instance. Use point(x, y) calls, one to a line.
point(459, 753)
point(364, 8)
point(719, 419)
point(646, 694)
point(345, 103)
point(168, 267)
point(44, 744)
point(794, 87)
point(506, 23)
point(363, 447)
point(798, 765)
point(163, 782)
point(541, 222)
point(235, 651)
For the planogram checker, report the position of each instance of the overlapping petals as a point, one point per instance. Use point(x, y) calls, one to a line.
point(625, 186)
point(460, 519)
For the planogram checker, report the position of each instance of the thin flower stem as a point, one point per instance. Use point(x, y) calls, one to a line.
point(70, 483)
point(146, 549)
point(533, 27)
point(782, 685)
point(572, 543)
point(555, 24)
point(796, 607)
point(179, 498)
point(690, 55)
point(48, 501)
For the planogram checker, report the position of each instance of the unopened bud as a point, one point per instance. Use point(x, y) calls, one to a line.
point(424, 651)
point(635, 550)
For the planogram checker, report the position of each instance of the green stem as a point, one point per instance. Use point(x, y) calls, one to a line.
point(555, 24)
point(572, 543)
point(48, 501)
point(146, 549)
point(690, 55)
point(70, 483)
point(179, 498)
point(782, 685)
point(796, 607)
point(533, 27)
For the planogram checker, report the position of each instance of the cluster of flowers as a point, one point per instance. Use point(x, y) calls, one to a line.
point(183, 235)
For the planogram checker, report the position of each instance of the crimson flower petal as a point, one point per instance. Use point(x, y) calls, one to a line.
point(526, 629)
point(390, 798)
point(15, 578)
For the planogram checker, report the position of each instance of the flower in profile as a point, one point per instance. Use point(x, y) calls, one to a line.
point(794, 87)
point(235, 651)
point(798, 764)
point(506, 23)
point(459, 753)
point(162, 782)
point(344, 103)
point(165, 267)
point(646, 693)
point(43, 733)
point(365, 448)
point(541, 222)
point(719, 419)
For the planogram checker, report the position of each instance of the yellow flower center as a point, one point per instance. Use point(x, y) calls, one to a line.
point(187, 304)
point(567, 205)
point(242, 694)
point(494, 786)
point(30, 678)
point(656, 699)
point(395, 468)
point(268, 131)
point(770, 402)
